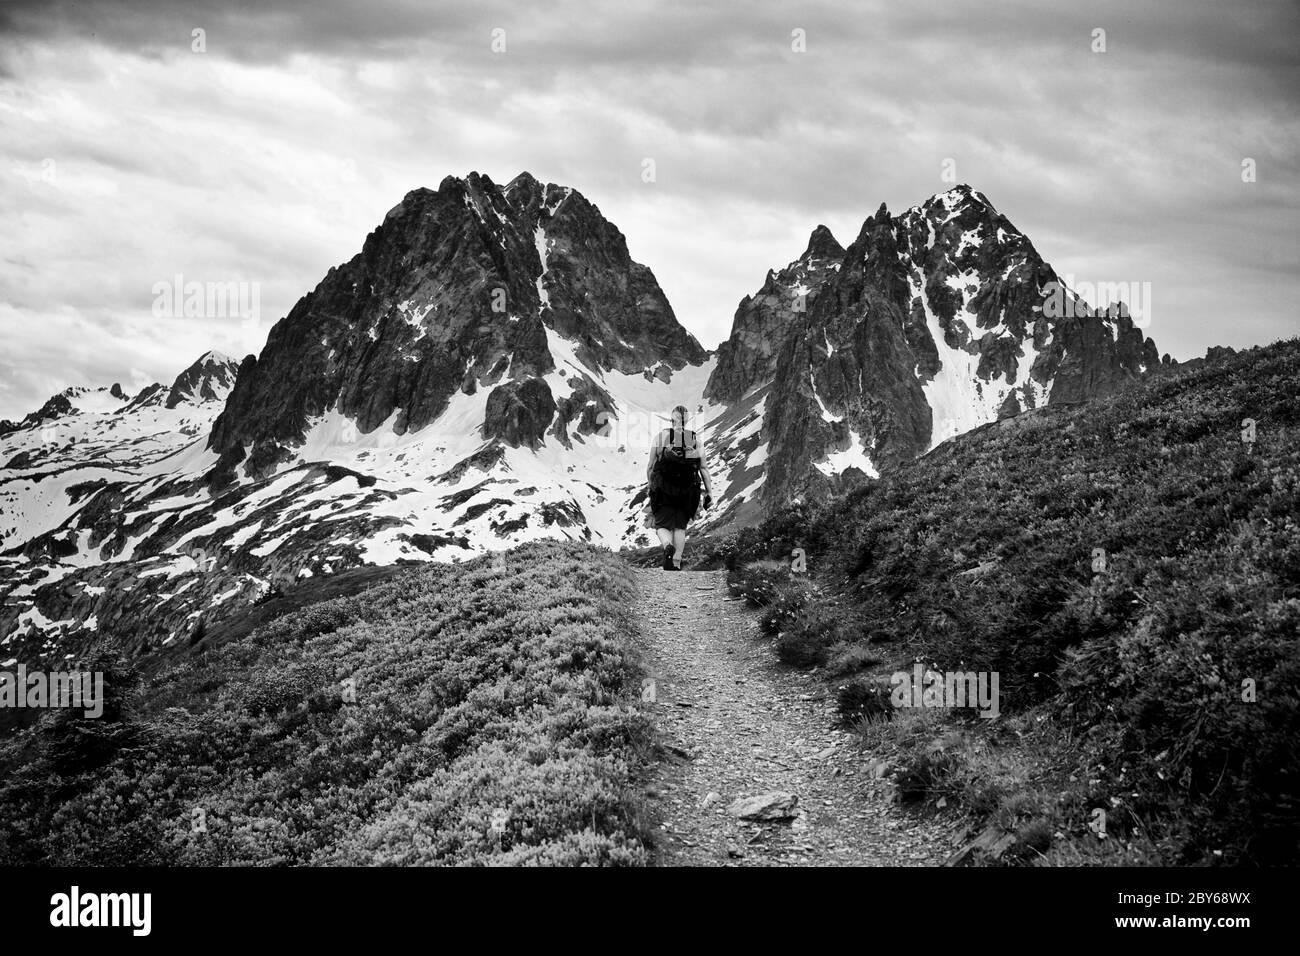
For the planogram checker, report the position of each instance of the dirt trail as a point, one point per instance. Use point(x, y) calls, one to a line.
point(746, 725)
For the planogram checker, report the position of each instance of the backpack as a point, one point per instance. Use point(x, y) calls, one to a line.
point(675, 472)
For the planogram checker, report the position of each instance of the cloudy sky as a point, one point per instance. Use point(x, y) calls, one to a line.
point(128, 157)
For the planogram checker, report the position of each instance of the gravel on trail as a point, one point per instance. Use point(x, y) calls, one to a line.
point(737, 725)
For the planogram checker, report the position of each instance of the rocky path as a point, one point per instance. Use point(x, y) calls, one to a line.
point(740, 725)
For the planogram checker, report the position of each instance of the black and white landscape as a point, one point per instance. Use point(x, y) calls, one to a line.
point(336, 338)
point(393, 415)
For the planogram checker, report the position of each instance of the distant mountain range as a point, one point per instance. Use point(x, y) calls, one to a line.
point(490, 369)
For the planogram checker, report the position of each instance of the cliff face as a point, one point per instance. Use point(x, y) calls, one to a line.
point(455, 291)
point(765, 320)
point(935, 321)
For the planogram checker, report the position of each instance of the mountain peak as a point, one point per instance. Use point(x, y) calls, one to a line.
point(209, 379)
point(763, 320)
point(419, 194)
point(74, 400)
point(525, 180)
point(958, 199)
point(526, 192)
point(525, 290)
point(822, 244)
point(479, 182)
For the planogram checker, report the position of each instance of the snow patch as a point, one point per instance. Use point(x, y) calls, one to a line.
point(539, 240)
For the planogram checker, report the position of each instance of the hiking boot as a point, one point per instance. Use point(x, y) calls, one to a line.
point(669, 550)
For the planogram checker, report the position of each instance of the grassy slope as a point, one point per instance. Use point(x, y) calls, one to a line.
point(1122, 688)
point(478, 694)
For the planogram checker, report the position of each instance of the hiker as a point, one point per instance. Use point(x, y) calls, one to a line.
point(673, 476)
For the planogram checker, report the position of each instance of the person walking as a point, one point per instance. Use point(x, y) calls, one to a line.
point(674, 476)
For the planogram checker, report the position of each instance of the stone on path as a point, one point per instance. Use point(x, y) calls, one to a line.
point(773, 805)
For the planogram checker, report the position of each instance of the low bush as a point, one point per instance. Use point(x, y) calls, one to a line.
point(453, 716)
point(1130, 568)
point(759, 582)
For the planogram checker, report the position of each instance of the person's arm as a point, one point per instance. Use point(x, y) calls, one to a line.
point(654, 455)
point(704, 470)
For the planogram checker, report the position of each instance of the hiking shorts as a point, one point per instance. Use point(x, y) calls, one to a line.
point(673, 512)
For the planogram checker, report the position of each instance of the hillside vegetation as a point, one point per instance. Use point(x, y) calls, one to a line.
point(1131, 570)
point(491, 725)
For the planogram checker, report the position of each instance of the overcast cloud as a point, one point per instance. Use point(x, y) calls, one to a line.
point(127, 158)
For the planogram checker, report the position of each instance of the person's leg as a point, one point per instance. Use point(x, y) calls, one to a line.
point(666, 542)
point(679, 546)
